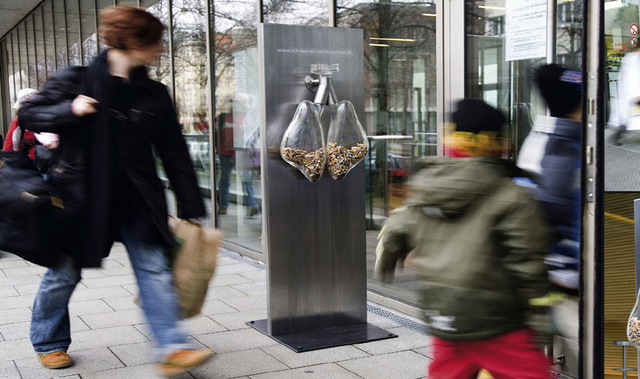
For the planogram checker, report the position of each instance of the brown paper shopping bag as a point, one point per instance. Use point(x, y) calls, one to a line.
point(193, 263)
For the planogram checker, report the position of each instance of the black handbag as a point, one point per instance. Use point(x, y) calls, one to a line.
point(35, 224)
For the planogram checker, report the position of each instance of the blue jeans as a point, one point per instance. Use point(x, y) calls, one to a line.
point(247, 186)
point(50, 327)
point(226, 164)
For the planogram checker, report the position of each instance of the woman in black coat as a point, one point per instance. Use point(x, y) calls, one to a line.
point(110, 117)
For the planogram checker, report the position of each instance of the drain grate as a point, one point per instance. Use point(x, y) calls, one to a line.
point(397, 318)
point(404, 321)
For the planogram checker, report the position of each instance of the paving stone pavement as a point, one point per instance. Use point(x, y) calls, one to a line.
point(111, 339)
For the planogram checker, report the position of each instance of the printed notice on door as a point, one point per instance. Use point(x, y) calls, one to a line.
point(526, 27)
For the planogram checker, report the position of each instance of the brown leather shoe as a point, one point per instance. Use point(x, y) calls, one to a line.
point(57, 359)
point(183, 360)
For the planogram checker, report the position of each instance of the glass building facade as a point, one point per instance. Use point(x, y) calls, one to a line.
point(416, 64)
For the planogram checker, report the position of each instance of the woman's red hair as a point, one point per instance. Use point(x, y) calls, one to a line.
point(127, 28)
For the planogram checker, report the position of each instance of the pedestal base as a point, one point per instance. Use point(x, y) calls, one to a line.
point(326, 337)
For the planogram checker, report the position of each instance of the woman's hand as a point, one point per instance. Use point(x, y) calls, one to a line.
point(84, 105)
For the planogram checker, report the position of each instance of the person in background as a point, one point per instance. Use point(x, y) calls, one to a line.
point(551, 155)
point(225, 150)
point(628, 97)
point(478, 242)
point(110, 117)
point(19, 139)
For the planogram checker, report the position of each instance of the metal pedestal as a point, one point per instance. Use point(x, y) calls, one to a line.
point(326, 337)
point(313, 233)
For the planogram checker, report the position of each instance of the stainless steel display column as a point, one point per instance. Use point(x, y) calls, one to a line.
point(313, 233)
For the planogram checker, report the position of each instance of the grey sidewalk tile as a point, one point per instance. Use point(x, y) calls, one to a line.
point(407, 339)
point(2, 274)
point(117, 271)
point(142, 353)
point(84, 294)
point(12, 316)
point(16, 302)
point(381, 322)
point(91, 339)
point(131, 288)
point(223, 292)
point(236, 364)
point(122, 303)
point(89, 307)
point(325, 371)
point(255, 276)
point(110, 281)
point(84, 361)
point(29, 270)
point(228, 279)
point(11, 350)
point(225, 261)
point(248, 303)
point(112, 263)
point(402, 365)
point(20, 330)
point(202, 325)
point(8, 370)
point(9, 257)
point(314, 357)
point(237, 320)
point(235, 269)
point(112, 319)
point(10, 263)
point(235, 340)
point(91, 274)
point(8, 291)
point(147, 371)
point(27, 289)
point(17, 280)
point(135, 354)
point(426, 351)
point(254, 288)
point(216, 307)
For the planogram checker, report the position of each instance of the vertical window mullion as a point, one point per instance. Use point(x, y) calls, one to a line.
point(66, 30)
point(26, 42)
point(35, 49)
point(19, 59)
point(55, 39)
point(171, 58)
point(44, 44)
point(13, 67)
point(80, 47)
point(95, 18)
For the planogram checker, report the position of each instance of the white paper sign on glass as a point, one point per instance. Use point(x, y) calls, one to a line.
point(526, 29)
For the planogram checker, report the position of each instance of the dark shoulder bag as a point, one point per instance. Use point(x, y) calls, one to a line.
point(33, 221)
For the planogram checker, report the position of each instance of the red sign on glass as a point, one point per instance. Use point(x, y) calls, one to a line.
point(633, 29)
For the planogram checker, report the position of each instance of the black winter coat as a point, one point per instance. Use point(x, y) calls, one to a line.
point(111, 152)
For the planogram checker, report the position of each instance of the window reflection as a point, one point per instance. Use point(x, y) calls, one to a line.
point(49, 39)
point(60, 27)
point(89, 37)
point(73, 33)
point(236, 123)
point(400, 99)
point(190, 78)
point(40, 48)
point(293, 12)
point(30, 51)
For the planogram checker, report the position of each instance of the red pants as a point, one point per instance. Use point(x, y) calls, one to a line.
point(509, 356)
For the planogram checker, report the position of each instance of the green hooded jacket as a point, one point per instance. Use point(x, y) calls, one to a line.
point(478, 241)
